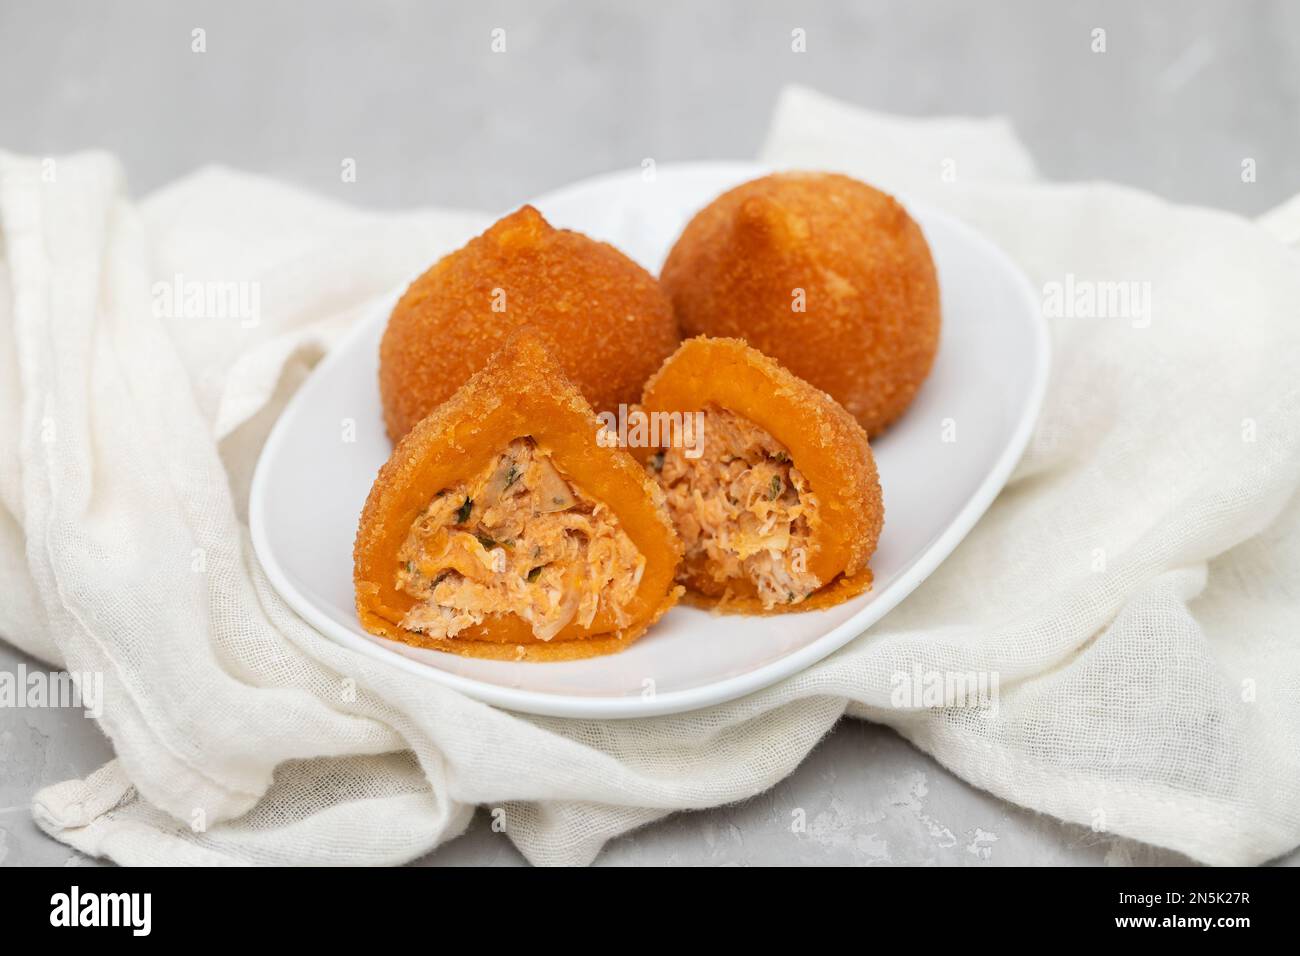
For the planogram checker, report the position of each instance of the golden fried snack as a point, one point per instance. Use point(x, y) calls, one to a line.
point(604, 317)
point(779, 506)
point(501, 527)
point(827, 275)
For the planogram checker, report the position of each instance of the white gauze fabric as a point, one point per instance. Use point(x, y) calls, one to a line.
point(1135, 586)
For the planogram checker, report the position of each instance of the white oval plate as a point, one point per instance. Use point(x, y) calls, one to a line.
point(991, 372)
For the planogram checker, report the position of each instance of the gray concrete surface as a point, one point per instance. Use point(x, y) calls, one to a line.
point(1184, 92)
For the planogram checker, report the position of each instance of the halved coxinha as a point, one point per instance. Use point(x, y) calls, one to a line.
point(500, 527)
point(781, 509)
point(505, 525)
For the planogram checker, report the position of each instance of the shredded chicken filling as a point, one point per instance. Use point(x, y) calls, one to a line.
point(517, 539)
point(742, 509)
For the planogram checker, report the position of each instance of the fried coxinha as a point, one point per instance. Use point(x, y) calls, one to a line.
point(500, 526)
point(827, 275)
point(781, 509)
point(604, 318)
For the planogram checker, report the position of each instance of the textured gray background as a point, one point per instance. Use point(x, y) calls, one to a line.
point(1185, 91)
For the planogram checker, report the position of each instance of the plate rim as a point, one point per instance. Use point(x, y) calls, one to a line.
point(717, 692)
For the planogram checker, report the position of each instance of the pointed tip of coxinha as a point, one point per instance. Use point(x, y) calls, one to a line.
point(521, 392)
point(525, 363)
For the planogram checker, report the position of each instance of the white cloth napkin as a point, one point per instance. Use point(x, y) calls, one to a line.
point(1136, 586)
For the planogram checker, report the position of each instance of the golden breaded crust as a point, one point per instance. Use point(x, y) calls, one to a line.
point(603, 317)
point(870, 329)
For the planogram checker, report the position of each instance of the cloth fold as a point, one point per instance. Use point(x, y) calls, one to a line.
point(1135, 586)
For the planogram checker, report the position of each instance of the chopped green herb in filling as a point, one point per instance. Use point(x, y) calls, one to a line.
point(463, 512)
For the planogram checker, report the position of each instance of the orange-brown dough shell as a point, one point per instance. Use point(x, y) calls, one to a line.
point(825, 443)
point(521, 392)
point(870, 329)
point(604, 318)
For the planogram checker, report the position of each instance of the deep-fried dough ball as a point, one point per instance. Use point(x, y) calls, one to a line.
point(603, 317)
point(825, 274)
